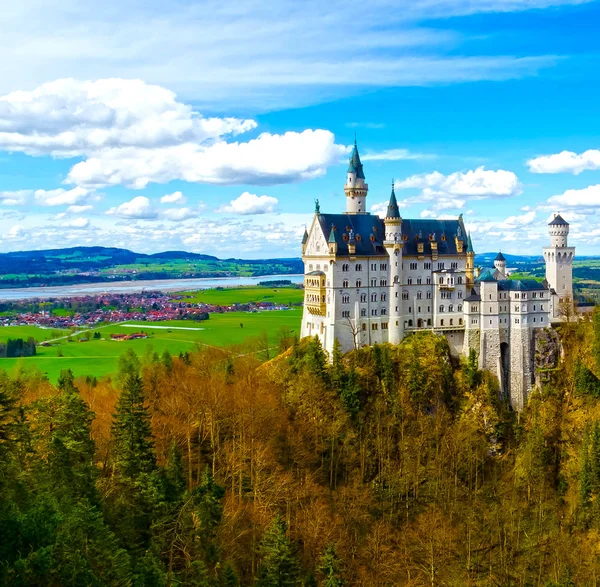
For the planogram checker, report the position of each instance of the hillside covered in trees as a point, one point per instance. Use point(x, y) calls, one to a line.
point(391, 466)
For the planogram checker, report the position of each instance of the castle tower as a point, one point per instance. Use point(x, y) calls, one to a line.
point(470, 262)
point(559, 258)
point(500, 263)
point(393, 246)
point(356, 189)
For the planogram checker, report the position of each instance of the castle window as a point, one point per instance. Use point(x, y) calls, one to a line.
point(428, 281)
point(541, 294)
point(373, 297)
point(384, 326)
point(473, 308)
point(442, 322)
point(428, 321)
point(410, 323)
point(383, 266)
point(450, 308)
point(517, 296)
point(460, 308)
point(441, 308)
point(405, 295)
point(409, 310)
point(346, 314)
point(345, 267)
point(409, 281)
point(358, 283)
point(454, 265)
point(419, 295)
point(427, 266)
point(428, 295)
point(396, 308)
point(459, 280)
point(358, 267)
point(460, 321)
point(516, 320)
point(374, 327)
point(516, 308)
point(364, 326)
point(396, 279)
point(429, 308)
point(534, 308)
point(440, 265)
point(542, 319)
point(345, 283)
point(383, 282)
point(418, 281)
point(383, 297)
point(363, 312)
point(534, 318)
point(373, 282)
point(534, 295)
point(451, 321)
point(345, 299)
point(541, 308)
point(419, 310)
point(460, 294)
point(373, 312)
point(373, 266)
point(383, 312)
point(413, 266)
point(363, 297)
point(441, 281)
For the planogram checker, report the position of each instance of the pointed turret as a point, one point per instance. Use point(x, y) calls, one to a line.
point(393, 213)
point(305, 236)
point(331, 241)
point(356, 189)
point(500, 263)
point(469, 244)
point(470, 262)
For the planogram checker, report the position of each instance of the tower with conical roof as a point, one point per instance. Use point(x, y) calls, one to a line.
point(559, 258)
point(356, 189)
point(470, 262)
point(500, 263)
point(393, 247)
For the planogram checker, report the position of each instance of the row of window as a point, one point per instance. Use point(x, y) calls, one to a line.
point(382, 283)
point(358, 267)
point(363, 298)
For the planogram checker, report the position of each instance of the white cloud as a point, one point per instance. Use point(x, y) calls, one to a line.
point(267, 160)
point(394, 155)
point(79, 209)
point(250, 204)
point(475, 184)
point(174, 198)
point(588, 197)
point(179, 214)
point(139, 207)
point(76, 223)
point(566, 162)
point(61, 197)
point(15, 198)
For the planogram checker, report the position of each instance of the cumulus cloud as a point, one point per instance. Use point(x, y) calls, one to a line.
point(566, 162)
point(174, 198)
point(179, 214)
point(249, 203)
point(588, 197)
point(79, 209)
point(76, 223)
point(267, 160)
point(61, 197)
point(15, 198)
point(139, 207)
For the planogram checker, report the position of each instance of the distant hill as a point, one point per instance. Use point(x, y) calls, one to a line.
point(98, 264)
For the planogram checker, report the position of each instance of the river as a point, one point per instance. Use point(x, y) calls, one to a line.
point(88, 289)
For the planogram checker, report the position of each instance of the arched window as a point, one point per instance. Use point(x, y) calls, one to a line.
point(345, 267)
point(441, 308)
point(359, 267)
point(442, 322)
point(373, 282)
point(345, 283)
point(419, 295)
point(459, 280)
point(382, 282)
point(373, 297)
point(364, 326)
point(441, 281)
point(363, 312)
point(396, 279)
point(410, 323)
point(460, 321)
point(345, 299)
point(428, 321)
point(358, 283)
point(450, 308)
point(405, 295)
point(383, 297)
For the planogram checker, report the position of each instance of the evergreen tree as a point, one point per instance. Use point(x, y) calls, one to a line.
point(315, 358)
point(351, 392)
point(167, 360)
point(337, 373)
point(330, 566)
point(278, 565)
point(175, 475)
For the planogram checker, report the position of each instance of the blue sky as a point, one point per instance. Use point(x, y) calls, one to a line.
point(212, 128)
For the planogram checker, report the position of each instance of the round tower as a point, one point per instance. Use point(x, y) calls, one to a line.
point(559, 258)
point(356, 189)
point(500, 263)
point(393, 246)
point(470, 262)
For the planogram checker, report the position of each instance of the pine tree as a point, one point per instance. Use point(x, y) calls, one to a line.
point(167, 360)
point(278, 565)
point(337, 373)
point(330, 566)
point(174, 474)
point(132, 436)
point(315, 358)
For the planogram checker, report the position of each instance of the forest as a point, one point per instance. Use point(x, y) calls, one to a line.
point(392, 465)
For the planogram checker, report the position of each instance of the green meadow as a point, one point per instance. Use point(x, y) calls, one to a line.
point(99, 357)
point(245, 295)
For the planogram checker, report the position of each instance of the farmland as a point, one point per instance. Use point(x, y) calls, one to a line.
point(99, 357)
point(245, 295)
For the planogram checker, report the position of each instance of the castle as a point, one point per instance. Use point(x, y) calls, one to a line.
point(370, 280)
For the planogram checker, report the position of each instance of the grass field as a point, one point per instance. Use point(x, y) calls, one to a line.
point(100, 357)
point(245, 295)
point(24, 332)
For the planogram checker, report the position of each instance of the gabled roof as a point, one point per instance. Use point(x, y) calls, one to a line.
point(488, 274)
point(558, 220)
point(392, 210)
point(355, 166)
point(499, 257)
point(520, 285)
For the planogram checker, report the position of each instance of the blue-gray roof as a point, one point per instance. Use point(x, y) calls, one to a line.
point(355, 166)
point(488, 274)
point(520, 285)
point(392, 209)
point(558, 220)
point(499, 257)
point(369, 232)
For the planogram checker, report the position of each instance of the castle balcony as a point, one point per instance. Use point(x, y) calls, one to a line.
point(315, 293)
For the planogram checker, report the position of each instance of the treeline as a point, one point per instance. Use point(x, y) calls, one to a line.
point(389, 466)
point(17, 347)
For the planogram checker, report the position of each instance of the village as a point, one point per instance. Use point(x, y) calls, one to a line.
point(89, 311)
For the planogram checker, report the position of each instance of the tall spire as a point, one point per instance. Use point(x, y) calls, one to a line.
point(392, 211)
point(470, 244)
point(355, 166)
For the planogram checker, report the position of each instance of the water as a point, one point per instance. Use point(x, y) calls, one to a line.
point(89, 289)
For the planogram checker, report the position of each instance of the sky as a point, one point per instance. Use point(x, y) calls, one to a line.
point(212, 127)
